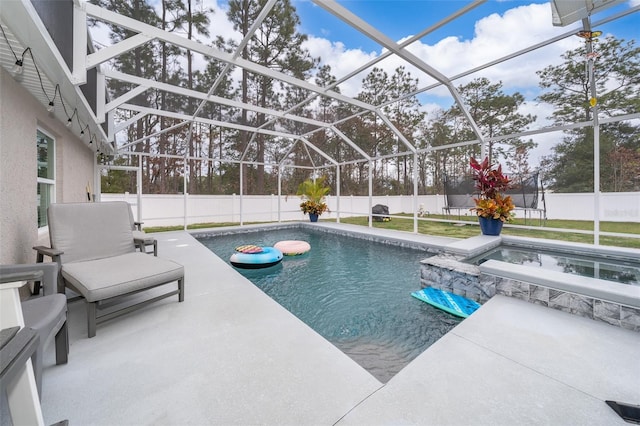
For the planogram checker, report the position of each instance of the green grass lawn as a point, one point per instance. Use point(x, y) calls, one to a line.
point(471, 229)
point(457, 230)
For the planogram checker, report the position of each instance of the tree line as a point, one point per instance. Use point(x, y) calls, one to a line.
point(278, 45)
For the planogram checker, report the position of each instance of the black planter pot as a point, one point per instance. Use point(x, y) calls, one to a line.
point(490, 226)
point(313, 217)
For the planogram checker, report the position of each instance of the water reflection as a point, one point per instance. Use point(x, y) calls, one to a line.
point(610, 270)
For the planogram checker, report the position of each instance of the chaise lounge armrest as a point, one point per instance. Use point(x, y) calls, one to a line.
point(141, 237)
point(21, 276)
point(42, 274)
point(142, 240)
point(47, 251)
point(54, 254)
point(17, 346)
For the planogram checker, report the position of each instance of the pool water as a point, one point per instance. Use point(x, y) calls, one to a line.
point(619, 271)
point(355, 293)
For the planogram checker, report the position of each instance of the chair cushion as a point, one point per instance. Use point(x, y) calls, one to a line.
point(88, 231)
point(115, 276)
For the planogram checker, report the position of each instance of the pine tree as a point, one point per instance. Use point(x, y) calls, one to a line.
point(495, 113)
point(277, 45)
point(217, 141)
point(406, 116)
point(567, 87)
point(140, 62)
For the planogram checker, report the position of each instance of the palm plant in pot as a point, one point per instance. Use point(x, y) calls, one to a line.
point(492, 206)
point(313, 193)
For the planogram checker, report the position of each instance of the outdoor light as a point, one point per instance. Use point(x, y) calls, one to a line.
point(51, 106)
point(17, 67)
point(69, 122)
point(81, 132)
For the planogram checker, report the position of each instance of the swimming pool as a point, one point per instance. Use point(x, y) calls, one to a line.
point(604, 268)
point(355, 293)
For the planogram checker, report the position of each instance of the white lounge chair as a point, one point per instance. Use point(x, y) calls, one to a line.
point(46, 314)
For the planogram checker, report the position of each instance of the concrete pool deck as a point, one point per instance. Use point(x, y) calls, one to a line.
point(231, 355)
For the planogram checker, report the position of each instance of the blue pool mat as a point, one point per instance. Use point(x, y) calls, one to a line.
point(449, 302)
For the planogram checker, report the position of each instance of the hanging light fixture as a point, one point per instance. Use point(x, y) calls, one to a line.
point(17, 71)
point(17, 67)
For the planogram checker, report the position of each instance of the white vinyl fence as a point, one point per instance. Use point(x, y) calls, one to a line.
point(176, 209)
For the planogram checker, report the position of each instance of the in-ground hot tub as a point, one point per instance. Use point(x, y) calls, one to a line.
point(616, 268)
point(615, 301)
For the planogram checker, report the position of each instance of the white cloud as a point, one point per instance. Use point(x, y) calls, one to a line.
point(545, 141)
point(431, 109)
point(342, 61)
point(219, 25)
point(495, 36)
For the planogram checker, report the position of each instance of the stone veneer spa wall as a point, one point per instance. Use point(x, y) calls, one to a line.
point(449, 272)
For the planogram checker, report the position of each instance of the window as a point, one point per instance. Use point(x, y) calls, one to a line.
point(46, 175)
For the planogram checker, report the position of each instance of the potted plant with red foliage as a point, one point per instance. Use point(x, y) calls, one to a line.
point(492, 206)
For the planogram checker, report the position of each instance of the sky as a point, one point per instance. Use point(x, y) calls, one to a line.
point(490, 31)
point(486, 33)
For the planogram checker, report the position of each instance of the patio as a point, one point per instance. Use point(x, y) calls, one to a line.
point(230, 355)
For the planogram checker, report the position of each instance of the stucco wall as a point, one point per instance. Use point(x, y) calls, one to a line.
point(20, 116)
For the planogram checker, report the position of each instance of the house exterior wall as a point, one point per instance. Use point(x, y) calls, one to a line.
point(20, 116)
